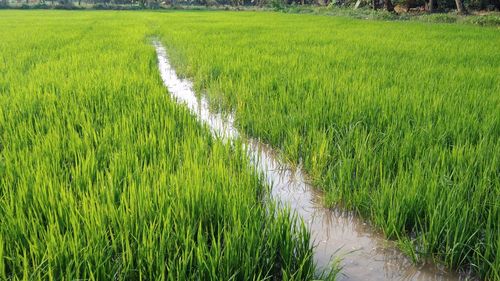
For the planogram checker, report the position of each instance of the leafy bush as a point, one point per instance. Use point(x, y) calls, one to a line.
point(442, 18)
point(41, 6)
point(66, 6)
point(101, 6)
point(116, 7)
point(278, 5)
point(489, 20)
point(153, 5)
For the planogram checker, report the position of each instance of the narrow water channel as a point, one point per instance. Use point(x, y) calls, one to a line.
point(365, 254)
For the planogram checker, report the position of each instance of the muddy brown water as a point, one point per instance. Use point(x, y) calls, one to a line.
point(364, 253)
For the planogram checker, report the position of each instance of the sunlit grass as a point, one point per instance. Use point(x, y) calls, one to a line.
point(103, 177)
point(400, 121)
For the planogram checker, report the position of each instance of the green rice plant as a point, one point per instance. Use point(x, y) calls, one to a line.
point(398, 120)
point(104, 177)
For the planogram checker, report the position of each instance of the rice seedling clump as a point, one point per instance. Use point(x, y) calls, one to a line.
point(397, 120)
point(104, 177)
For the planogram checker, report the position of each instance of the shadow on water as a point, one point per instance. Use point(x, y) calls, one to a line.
point(365, 254)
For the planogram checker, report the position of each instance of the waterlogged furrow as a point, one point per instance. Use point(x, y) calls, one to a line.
point(182, 90)
point(397, 121)
point(336, 235)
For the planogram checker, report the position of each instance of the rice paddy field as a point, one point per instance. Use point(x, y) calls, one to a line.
point(103, 176)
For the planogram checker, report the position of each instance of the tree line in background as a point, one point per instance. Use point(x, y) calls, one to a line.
point(461, 6)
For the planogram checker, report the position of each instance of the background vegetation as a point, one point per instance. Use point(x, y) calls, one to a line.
point(394, 6)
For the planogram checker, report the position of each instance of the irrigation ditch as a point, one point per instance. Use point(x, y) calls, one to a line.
point(340, 237)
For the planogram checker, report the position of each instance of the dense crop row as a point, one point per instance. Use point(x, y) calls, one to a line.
point(103, 177)
point(398, 120)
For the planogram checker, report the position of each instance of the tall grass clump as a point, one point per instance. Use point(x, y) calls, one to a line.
point(103, 177)
point(398, 120)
